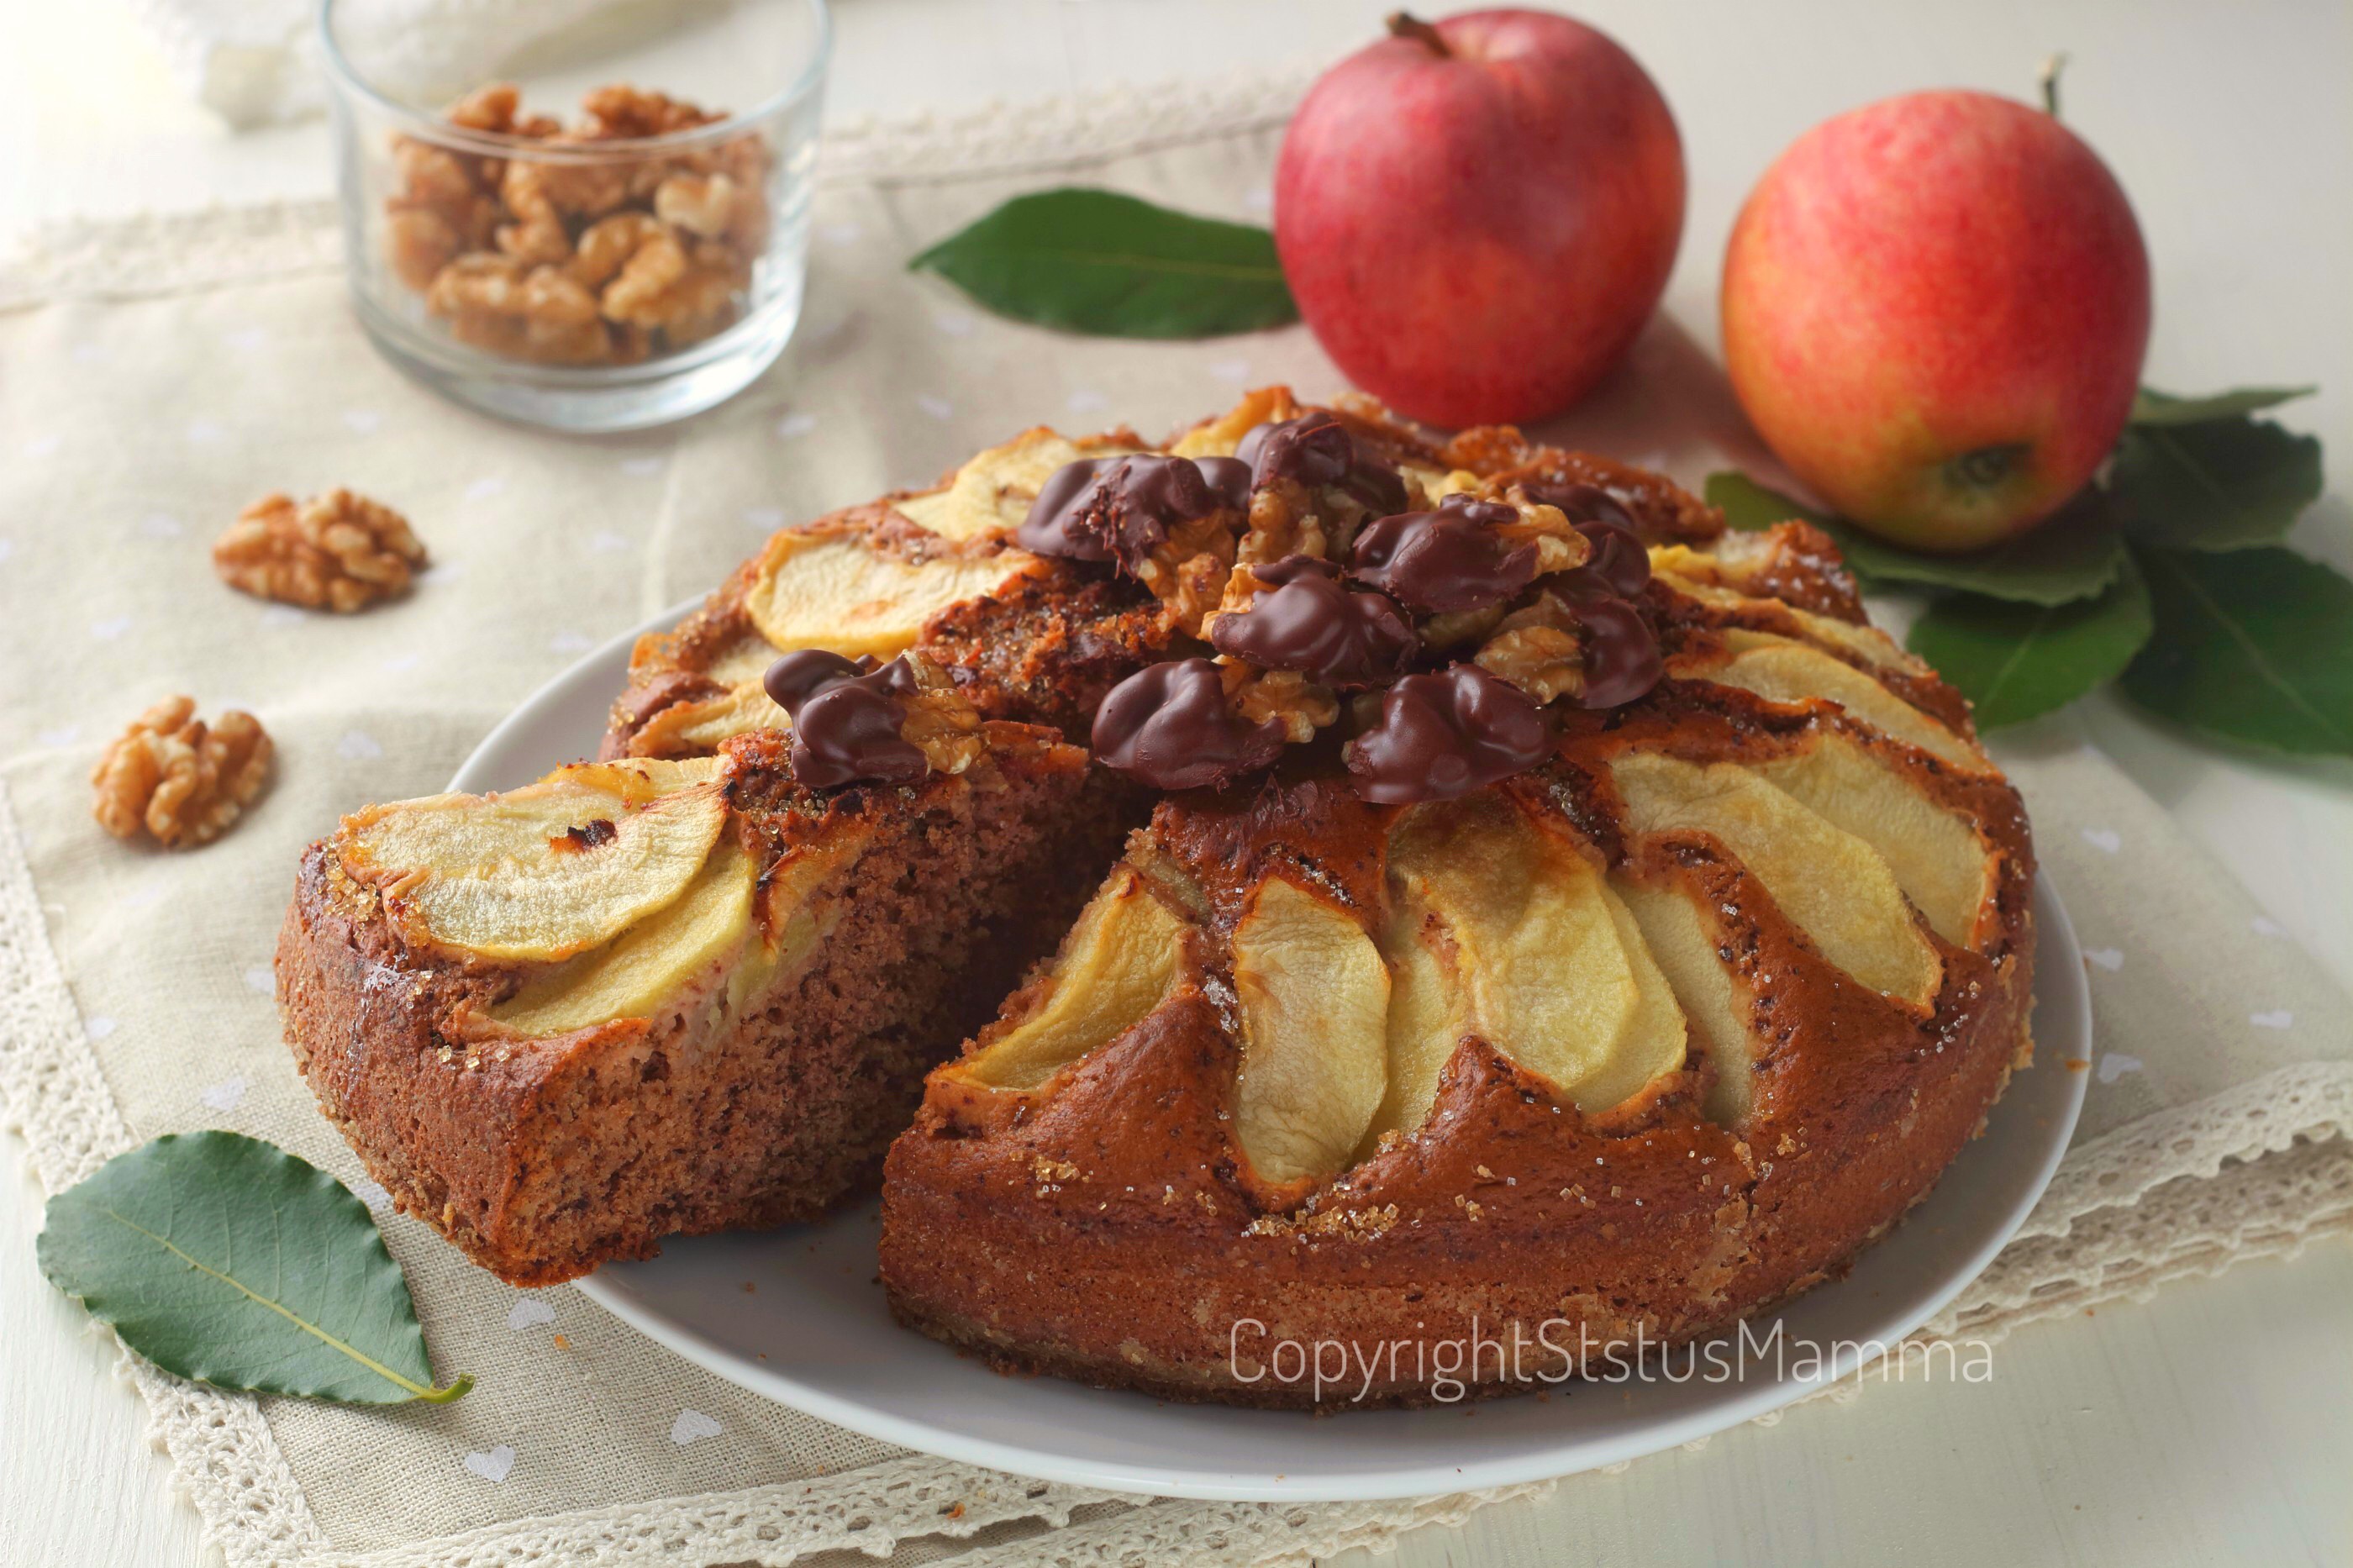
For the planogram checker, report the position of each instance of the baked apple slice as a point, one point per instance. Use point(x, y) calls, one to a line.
point(1937, 855)
point(1314, 1004)
point(1831, 885)
point(543, 872)
point(1428, 1012)
point(991, 493)
point(639, 972)
point(1114, 967)
point(696, 729)
point(1718, 1008)
point(1783, 671)
point(1552, 971)
point(836, 588)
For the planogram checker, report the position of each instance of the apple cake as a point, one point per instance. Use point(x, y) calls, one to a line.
point(1388, 895)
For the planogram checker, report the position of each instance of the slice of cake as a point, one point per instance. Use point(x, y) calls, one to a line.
point(640, 998)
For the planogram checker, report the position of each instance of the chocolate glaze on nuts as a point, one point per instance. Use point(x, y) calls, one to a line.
point(1350, 626)
point(1618, 564)
point(846, 716)
point(1315, 448)
point(1620, 649)
point(1444, 561)
point(1121, 508)
point(1304, 619)
point(1168, 725)
point(1447, 734)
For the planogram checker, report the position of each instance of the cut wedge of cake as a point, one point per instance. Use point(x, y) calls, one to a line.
point(642, 998)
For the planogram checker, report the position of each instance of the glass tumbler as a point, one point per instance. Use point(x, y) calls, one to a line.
point(588, 217)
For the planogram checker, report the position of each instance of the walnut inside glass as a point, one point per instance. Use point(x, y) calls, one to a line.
point(577, 242)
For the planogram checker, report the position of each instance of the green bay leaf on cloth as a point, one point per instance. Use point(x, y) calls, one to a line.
point(1099, 262)
point(225, 1259)
point(2075, 555)
point(2016, 661)
point(2252, 646)
point(2218, 484)
point(2151, 406)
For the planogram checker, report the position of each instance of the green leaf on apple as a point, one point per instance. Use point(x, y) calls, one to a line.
point(226, 1259)
point(1110, 265)
point(2254, 646)
point(2216, 484)
point(2075, 556)
point(2015, 661)
point(2155, 408)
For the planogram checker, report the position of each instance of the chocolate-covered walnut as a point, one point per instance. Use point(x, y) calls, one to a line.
point(1617, 563)
point(1620, 650)
point(1303, 619)
point(855, 719)
point(1616, 649)
point(1316, 449)
point(1171, 726)
point(846, 716)
point(1123, 508)
point(1446, 734)
point(1453, 559)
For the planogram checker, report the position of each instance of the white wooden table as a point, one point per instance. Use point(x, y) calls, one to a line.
point(2213, 1424)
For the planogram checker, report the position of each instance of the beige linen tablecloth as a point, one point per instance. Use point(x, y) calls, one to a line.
point(154, 377)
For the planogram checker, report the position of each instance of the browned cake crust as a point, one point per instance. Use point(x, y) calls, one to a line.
point(1108, 1228)
point(543, 1158)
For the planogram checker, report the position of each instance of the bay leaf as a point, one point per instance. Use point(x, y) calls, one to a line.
point(2074, 556)
point(2014, 660)
point(1110, 265)
point(2252, 646)
point(2151, 406)
point(2218, 484)
point(226, 1259)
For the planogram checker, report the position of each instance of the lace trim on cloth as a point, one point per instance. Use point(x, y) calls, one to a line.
point(168, 252)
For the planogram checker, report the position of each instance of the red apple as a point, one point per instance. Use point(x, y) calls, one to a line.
point(1476, 218)
point(1935, 310)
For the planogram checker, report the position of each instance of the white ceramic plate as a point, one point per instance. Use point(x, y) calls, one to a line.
point(796, 1314)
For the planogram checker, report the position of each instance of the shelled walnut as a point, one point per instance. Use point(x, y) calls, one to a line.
point(178, 778)
point(940, 723)
point(1538, 648)
point(338, 552)
point(577, 257)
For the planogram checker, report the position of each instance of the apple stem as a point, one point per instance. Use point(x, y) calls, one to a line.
point(1406, 25)
point(2048, 77)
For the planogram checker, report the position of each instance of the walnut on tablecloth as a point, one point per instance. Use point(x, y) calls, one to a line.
point(174, 776)
point(338, 552)
point(572, 258)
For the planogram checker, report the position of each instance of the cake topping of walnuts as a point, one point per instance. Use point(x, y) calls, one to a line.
point(1346, 578)
point(1454, 559)
point(338, 552)
point(1172, 726)
point(1446, 734)
point(1303, 619)
point(1315, 448)
point(859, 721)
point(1123, 508)
point(176, 778)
